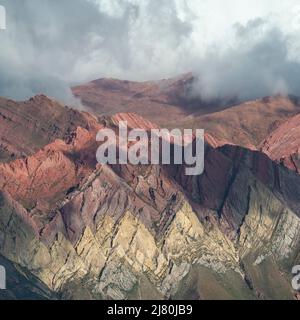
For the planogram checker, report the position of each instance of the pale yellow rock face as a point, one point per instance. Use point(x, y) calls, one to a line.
point(271, 229)
point(126, 242)
point(89, 250)
point(117, 253)
point(165, 264)
point(198, 243)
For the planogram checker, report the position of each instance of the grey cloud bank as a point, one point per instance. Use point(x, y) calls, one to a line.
point(51, 44)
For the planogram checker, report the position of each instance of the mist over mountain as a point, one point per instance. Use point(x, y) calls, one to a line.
point(235, 49)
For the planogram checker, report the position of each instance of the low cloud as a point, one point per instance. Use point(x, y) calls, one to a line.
point(257, 65)
point(235, 49)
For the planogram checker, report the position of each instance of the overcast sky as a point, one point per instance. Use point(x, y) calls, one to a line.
point(237, 47)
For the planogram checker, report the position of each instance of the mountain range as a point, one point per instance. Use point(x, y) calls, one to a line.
point(71, 228)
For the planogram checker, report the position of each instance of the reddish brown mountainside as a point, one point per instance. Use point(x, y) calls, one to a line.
point(160, 101)
point(283, 145)
point(27, 126)
point(169, 103)
point(247, 124)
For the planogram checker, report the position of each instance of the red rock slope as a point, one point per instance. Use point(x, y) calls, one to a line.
point(171, 103)
point(283, 145)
